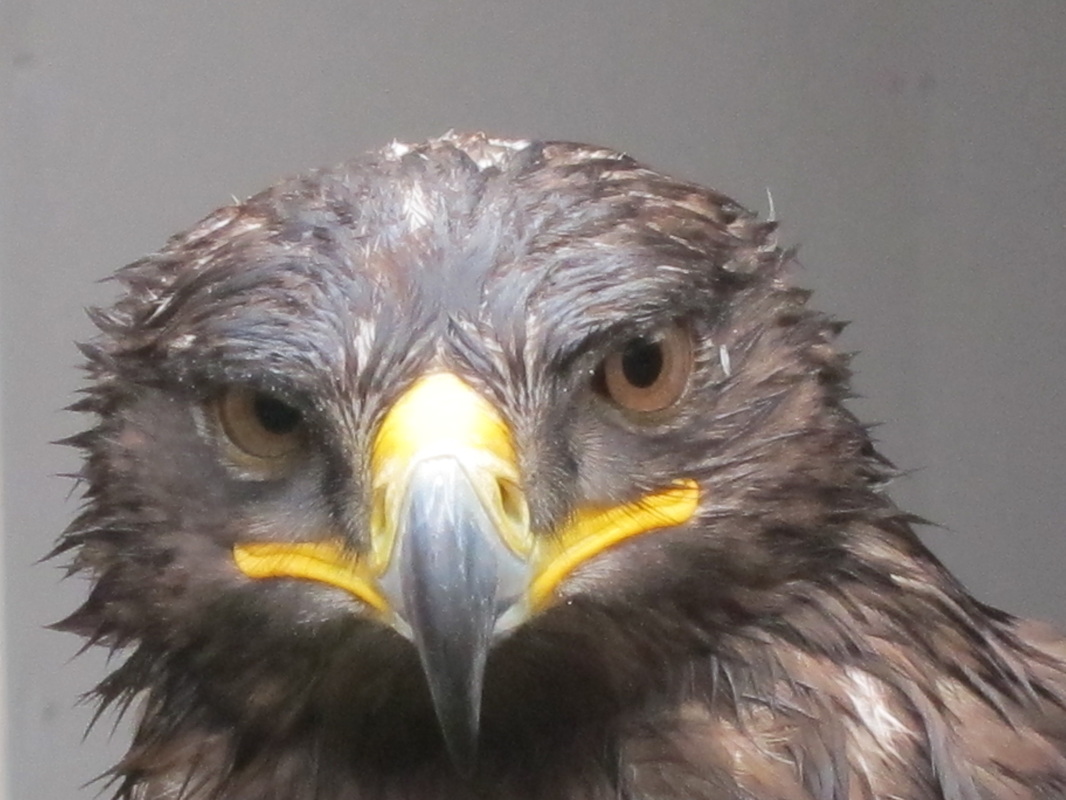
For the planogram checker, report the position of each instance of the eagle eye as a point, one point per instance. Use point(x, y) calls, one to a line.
point(259, 426)
point(648, 373)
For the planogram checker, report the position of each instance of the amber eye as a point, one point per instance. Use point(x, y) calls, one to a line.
point(258, 424)
point(649, 373)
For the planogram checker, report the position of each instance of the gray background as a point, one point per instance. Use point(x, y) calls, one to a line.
point(915, 149)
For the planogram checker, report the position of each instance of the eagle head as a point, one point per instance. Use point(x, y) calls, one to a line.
point(494, 467)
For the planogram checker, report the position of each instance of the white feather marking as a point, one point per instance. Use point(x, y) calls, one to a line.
point(514, 145)
point(871, 705)
point(397, 150)
point(183, 342)
point(496, 153)
point(772, 215)
point(416, 207)
point(246, 224)
point(363, 344)
point(723, 356)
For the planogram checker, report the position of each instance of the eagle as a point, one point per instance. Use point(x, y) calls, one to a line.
point(492, 468)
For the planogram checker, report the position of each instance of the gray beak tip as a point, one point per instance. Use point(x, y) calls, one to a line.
point(451, 567)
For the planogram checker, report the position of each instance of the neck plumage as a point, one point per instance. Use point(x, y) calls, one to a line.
point(893, 683)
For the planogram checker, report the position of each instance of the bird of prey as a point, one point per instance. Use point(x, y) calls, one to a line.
point(487, 468)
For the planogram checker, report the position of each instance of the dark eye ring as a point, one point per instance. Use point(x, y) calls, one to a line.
point(648, 373)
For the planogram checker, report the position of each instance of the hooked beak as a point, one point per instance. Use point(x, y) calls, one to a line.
point(452, 563)
point(454, 575)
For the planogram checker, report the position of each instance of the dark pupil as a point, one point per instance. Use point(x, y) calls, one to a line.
point(275, 416)
point(642, 362)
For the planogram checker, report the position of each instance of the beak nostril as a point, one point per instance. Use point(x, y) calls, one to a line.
point(377, 510)
point(381, 544)
point(512, 503)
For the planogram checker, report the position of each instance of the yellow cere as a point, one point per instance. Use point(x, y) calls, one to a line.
point(326, 561)
point(439, 414)
point(593, 530)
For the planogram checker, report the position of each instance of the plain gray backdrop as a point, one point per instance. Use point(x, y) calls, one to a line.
point(915, 149)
